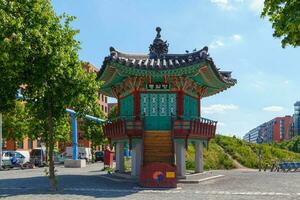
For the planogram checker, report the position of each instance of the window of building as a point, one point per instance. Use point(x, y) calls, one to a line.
point(105, 99)
point(102, 108)
point(102, 97)
point(106, 109)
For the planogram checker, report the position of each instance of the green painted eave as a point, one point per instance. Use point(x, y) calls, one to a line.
point(122, 72)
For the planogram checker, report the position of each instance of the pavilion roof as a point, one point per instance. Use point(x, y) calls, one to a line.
point(159, 61)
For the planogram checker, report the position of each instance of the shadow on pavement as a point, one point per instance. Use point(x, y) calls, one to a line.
point(83, 185)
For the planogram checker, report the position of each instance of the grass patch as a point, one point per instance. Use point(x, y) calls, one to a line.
point(247, 154)
point(214, 158)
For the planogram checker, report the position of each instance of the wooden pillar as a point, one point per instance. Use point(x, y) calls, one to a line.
point(180, 103)
point(136, 99)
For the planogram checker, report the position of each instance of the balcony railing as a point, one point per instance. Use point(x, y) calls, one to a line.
point(201, 128)
point(124, 127)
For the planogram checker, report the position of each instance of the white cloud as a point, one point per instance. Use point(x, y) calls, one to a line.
point(236, 37)
point(223, 4)
point(216, 44)
point(221, 124)
point(273, 109)
point(220, 42)
point(256, 5)
point(219, 108)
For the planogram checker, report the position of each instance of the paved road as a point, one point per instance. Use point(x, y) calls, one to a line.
point(88, 183)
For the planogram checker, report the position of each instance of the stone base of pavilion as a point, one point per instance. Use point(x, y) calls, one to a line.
point(180, 162)
point(195, 178)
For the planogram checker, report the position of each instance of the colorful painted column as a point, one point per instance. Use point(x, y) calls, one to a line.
point(198, 157)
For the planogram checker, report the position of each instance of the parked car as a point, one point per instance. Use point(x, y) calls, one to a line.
point(83, 153)
point(12, 159)
point(26, 154)
point(38, 157)
point(99, 155)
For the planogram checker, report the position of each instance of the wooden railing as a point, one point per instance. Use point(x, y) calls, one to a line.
point(122, 127)
point(197, 127)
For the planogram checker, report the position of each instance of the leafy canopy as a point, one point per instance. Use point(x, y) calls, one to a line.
point(15, 122)
point(285, 18)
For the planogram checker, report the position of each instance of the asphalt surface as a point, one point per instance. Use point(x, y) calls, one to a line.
point(92, 183)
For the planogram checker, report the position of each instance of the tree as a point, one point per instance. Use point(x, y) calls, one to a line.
point(285, 18)
point(113, 113)
point(93, 130)
point(38, 130)
point(40, 47)
point(16, 123)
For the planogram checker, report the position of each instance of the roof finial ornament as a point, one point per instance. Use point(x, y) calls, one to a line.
point(158, 47)
point(158, 29)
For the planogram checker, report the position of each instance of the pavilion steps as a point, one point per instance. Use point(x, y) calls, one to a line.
point(157, 147)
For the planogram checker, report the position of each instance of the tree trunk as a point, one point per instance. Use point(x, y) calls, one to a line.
point(53, 185)
point(92, 151)
point(47, 150)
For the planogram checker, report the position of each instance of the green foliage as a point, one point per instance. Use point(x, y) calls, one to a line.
point(12, 53)
point(113, 113)
point(15, 122)
point(285, 18)
point(38, 129)
point(247, 154)
point(214, 158)
point(291, 145)
point(238, 150)
point(93, 130)
point(38, 49)
point(127, 164)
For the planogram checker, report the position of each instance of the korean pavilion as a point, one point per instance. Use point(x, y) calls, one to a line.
point(159, 108)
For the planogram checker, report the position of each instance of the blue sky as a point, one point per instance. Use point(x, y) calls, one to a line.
point(238, 40)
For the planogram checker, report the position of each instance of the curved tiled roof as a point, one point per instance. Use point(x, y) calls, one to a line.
point(159, 59)
point(164, 62)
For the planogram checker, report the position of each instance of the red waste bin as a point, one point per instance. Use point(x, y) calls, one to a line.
point(108, 158)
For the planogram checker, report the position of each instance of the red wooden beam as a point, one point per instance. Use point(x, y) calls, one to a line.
point(136, 100)
point(180, 103)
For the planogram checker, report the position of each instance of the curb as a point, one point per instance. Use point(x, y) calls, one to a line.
point(199, 180)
